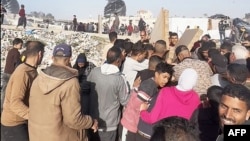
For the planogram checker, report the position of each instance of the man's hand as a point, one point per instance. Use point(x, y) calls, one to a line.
point(137, 82)
point(95, 125)
point(144, 106)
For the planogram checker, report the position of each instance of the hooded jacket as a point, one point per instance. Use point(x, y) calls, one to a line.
point(180, 100)
point(131, 114)
point(108, 92)
point(55, 111)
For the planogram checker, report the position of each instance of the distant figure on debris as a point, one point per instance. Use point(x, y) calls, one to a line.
point(74, 23)
point(222, 29)
point(3, 11)
point(130, 29)
point(233, 34)
point(22, 18)
point(12, 61)
point(142, 24)
point(116, 23)
point(106, 28)
point(122, 29)
point(80, 27)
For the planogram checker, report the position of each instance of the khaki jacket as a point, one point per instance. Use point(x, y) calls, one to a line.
point(16, 102)
point(55, 110)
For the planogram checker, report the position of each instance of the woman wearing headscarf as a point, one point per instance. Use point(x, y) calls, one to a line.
point(84, 67)
point(180, 100)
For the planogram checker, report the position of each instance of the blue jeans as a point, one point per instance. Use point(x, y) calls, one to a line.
point(14, 133)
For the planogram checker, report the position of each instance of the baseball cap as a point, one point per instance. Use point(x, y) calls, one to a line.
point(63, 50)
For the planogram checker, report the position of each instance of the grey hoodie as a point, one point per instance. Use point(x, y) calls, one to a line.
point(108, 91)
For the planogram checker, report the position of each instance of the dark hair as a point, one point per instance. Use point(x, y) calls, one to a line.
point(17, 41)
point(127, 40)
point(145, 41)
point(33, 48)
point(160, 46)
point(113, 55)
point(163, 67)
point(138, 48)
point(227, 55)
point(162, 42)
point(149, 47)
point(238, 91)
point(207, 35)
point(180, 48)
point(173, 34)
point(214, 94)
point(213, 51)
point(128, 47)
point(154, 61)
point(237, 72)
point(119, 43)
point(174, 129)
point(112, 36)
point(206, 46)
point(226, 45)
point(80, 56)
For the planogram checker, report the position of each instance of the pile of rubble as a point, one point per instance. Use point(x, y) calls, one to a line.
point(80, 42)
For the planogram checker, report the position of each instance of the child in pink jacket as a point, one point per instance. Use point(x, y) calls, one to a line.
point(180, 100)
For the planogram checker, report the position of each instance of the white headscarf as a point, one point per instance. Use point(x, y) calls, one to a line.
point(187, 80)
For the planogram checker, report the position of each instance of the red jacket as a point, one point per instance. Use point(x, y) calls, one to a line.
point(131, 113)
point(130, 28)
point(22, 13)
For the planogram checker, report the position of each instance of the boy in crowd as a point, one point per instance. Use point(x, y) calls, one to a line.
point(150, 87)
point(12, 61)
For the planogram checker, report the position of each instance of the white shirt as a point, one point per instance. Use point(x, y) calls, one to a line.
point(131, 67)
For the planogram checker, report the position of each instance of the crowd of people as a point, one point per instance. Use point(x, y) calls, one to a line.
point(140, 92)
point(77, 102)
point(121, 29)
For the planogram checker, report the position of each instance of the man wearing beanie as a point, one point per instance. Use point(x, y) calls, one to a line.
point(55, 110)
